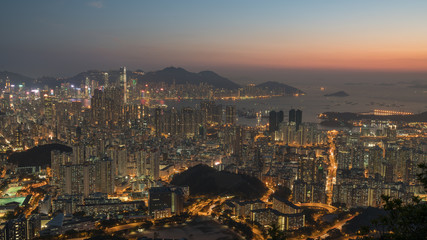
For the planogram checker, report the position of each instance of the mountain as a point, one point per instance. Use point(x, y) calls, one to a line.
point(167, 75)
point(182, 76)
point(15, 78)
point(204, 180)
point(113, 76)
point(18, 79)
point(279, 88)
point(337, 94)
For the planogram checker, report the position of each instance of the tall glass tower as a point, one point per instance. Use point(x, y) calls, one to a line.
point(123, 83)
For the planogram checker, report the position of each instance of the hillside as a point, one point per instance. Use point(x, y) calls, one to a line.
point(167, 75)
point(15, 78)
point(36, 156)
point(204, 180)
point(279, 88)
point(182, 76)
point(364, 220)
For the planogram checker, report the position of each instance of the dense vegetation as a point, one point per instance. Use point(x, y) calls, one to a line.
point(405, 221)
point(36, 156)
point(204, 180)
point(399, 221)
point(282, 192)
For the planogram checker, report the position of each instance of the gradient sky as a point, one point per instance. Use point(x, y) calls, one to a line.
point(56, 37)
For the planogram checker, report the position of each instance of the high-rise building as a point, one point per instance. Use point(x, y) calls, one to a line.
point(212, 112)
point(6, 101)
point(105, 175)
point(158, 119)
point(7, 86)
point(292, 115)
point(165, 199)
point(230, 114)
point(123, 84)
point(106, 80)
point(78, 179)
point(295, 116)
point(298, 118)
point(16, 229)
point(106, 107)
point(275, 118)
point(272, 121)
point(188, 122)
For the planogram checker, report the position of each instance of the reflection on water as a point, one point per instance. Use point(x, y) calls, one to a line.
point(363, 98)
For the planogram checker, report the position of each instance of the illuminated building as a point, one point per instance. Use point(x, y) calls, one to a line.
point(123, 84)
point(7, 85)
point(230, 115)
point(271, 217)
point(158, 121)
point(87, 87)
point(376, 163)
point(298, 118)
point(309, 192)
point(78, 179)
point(104, 176)
point(212, 111)
point(16, 229)
point(106, 80)
point(244, 208)
point(274, 119)
point(284, 206)
point(6, 101)
point(163, 200)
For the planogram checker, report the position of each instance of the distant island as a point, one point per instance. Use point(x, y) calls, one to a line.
point(337, 94)
point(204, 180)
point(279, 88)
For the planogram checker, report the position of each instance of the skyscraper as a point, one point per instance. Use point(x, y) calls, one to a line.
point(105, 175)
point(275, 119)
point(292, 115)
point(298, 118)
point(123, 83)
point(295, 116)
point(272, 121)
point(230, 114)
point(106, 80)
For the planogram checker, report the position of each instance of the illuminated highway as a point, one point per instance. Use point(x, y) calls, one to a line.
point(123, 227)
point(332, 169)
point(329, 208)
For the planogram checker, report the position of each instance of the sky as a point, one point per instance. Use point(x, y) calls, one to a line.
point(62, 38)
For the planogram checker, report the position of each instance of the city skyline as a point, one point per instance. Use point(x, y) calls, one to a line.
point(213, 120)
point(62, 38)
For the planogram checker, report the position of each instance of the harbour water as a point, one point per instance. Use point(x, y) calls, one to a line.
point(363, 97)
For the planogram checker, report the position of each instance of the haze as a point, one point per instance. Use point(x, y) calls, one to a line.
point(235, 38)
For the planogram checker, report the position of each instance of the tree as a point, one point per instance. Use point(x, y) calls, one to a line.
point(283, 193)
point(406, 221)
point(275, 233)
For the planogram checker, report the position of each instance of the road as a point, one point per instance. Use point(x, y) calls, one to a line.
point(323, 234)
point(329, 208)
point(332, 169)
point(122, 227)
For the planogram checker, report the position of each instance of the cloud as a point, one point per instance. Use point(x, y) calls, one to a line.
point(96, 4)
